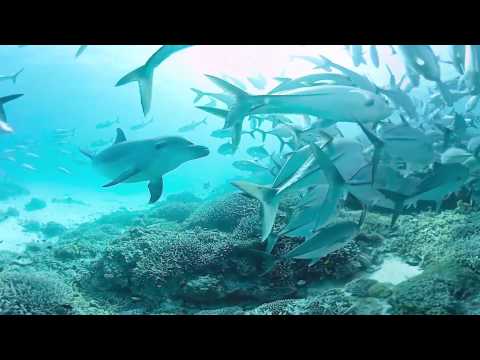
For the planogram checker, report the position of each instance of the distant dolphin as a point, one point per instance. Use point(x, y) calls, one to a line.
point(144, 74)
point(144, 160)
point(4, 126)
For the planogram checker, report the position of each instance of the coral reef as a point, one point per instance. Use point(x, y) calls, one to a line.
point(35, 204)
point(223, 214)
point(52, 229)
point(10, 190)
point(10, 212)
point(153, 262)
point(331, 302)
point(440, 290)
point(174, 210)
point(26, 293)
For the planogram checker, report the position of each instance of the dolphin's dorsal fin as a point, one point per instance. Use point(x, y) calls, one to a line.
point(123, 177)
point(120, 137)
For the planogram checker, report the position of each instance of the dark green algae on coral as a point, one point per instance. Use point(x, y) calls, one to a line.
point(190, 256)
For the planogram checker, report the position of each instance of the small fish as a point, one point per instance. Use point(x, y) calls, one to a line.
point(374, 56)
point(33, 155)
point(226, 149)
point(472, 103)
point(141, 125)
point(64, 170)
point(227, 133)
point(206, 185)
point(64, 131)
point(192, 126)
point(66, 152)
point(250, 166)
point(107, 124)
point(258, 152)
point(325, 241)
point(28, 167)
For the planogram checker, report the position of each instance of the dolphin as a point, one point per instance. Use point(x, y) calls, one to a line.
point(144, 160)
point(144, 74)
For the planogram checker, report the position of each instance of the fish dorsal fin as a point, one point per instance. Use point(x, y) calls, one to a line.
point(404, 121)
point(120, 137)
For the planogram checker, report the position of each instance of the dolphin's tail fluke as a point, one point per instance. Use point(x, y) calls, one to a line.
point(267, 196)
point(14, 77)
point(144, 76)
point(199, 95)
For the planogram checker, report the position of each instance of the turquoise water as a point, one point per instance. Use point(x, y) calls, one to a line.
point(65, 92)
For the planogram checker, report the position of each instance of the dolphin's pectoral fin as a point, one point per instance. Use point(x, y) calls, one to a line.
point(87, 153)
point(120, 137)
point(156, 189)
point(122, 177)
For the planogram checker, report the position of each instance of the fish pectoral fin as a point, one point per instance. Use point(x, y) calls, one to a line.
point(123, 176)
point(156, 189)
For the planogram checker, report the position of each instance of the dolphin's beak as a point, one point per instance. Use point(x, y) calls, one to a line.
point(200, 151)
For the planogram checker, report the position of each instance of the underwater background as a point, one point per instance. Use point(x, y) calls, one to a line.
point(69, 246)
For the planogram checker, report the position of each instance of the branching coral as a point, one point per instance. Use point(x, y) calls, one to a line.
point(152, 261)
point(29, 293)
point(223, 214)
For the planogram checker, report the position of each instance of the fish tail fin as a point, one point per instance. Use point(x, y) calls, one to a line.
point(5, 99)
point(199, 95)
point(446, 94)
point(242, 106)
point(263, 133)
point(144, 76)
point(267, 196)
point(204, 121)
point(252, 134)
point(378, 145)
point(331, 173)
point(399, 201)
point(447, 133)
point(14, 77)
